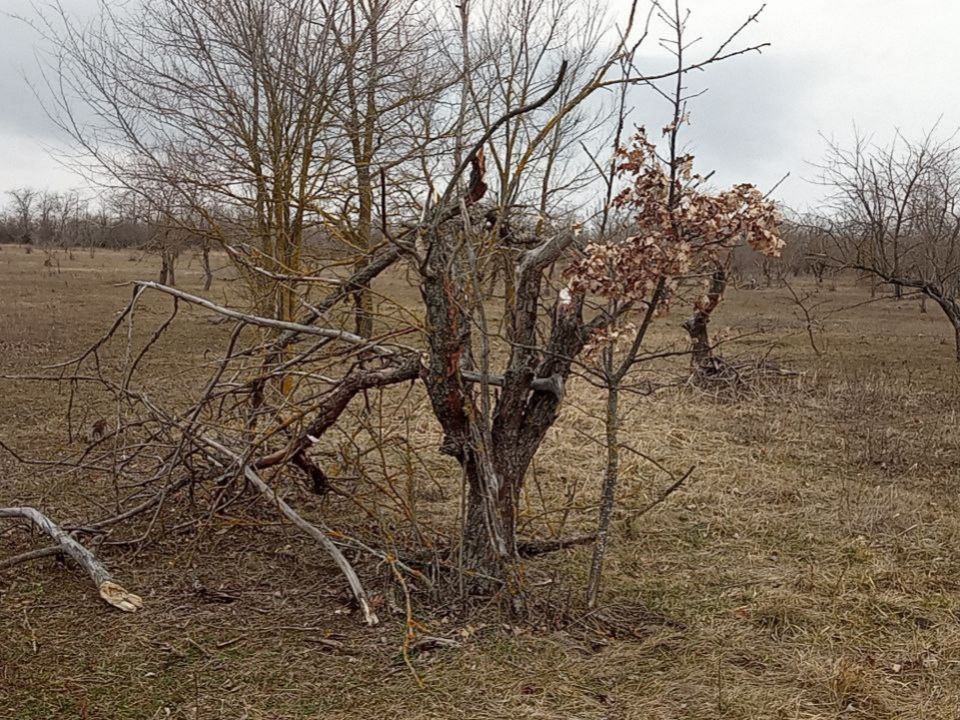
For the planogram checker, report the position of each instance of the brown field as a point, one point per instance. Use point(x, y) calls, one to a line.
point(809, 569)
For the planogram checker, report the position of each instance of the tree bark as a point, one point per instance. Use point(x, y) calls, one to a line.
point(608, 497)
point(697, 325)
point(164, 269)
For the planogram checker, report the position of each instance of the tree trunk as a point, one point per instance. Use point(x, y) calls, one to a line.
point(490, 526)
point(164, 269)
point(608, 497)
point(207, 272)
point(697, 325)
point(362, 295)
point(952, 310)
point(956, 336)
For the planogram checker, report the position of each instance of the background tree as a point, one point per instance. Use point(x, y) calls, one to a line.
point(23, 200)
point(224, 104)
point(895, 215)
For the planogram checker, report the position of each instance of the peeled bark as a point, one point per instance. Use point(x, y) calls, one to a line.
point(494, 449)
point(495, 457)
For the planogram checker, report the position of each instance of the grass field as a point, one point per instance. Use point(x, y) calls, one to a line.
point(809, 569)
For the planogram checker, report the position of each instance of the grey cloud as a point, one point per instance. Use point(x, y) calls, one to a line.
point(877, 63)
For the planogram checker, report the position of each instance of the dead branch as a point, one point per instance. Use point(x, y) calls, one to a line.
point(321, 537)
point(310, 529)
point(532, 548)
point(31, 555)
point(111, 592)
point(260, 321)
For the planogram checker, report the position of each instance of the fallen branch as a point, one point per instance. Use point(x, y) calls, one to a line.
point(667, 492)
point(266, 322)
point(321, 537)
point(532, 548)
point(48, 551)
point(110, 592)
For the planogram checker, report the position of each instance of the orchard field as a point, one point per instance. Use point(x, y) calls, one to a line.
point(808, 568)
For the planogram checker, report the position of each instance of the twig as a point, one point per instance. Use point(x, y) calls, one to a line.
point(672, 488)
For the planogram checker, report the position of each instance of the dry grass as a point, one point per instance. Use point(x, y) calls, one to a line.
point(809, 569)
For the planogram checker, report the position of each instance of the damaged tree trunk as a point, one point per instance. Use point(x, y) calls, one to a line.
point(495, 449)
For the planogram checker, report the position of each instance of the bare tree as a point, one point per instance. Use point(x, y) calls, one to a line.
point(23, 200)
point(676, 235)
point(240, 112)
point(226, 104)
point(391, 78)
point(895, 215)
point(495, 439)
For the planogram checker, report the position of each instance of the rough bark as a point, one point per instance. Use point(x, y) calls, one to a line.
point(164, 274)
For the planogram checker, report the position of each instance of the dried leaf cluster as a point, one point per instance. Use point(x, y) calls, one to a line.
point(680, 229)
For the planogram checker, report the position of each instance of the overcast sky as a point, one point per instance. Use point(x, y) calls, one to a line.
point(879, 64)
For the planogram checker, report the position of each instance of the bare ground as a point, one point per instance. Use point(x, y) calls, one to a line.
point(808, 570)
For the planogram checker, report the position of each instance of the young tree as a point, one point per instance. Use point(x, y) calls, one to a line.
point(680, 230)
